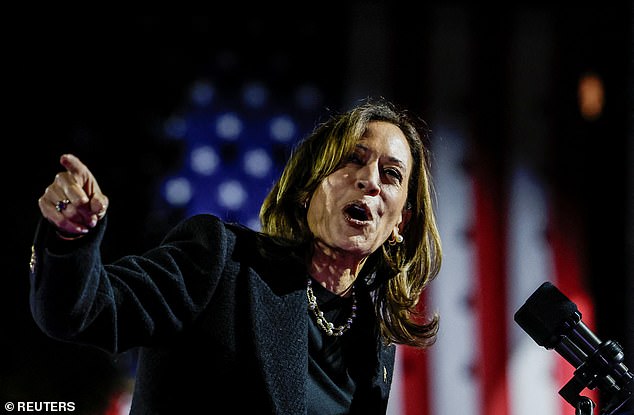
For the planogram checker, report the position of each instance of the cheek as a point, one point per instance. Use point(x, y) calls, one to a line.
point(317, 208)
point(395, 200)
point(394, 214)
point(322, 206)
point(313, 212)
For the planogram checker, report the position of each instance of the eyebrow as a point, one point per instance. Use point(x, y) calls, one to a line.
point(393, 159)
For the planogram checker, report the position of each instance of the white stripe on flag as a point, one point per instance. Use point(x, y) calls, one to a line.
point(531, 368)
point(453, 388)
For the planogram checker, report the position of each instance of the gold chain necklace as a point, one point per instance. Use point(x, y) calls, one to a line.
point(325, 325)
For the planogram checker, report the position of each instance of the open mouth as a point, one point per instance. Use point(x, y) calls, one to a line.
point(357, 212)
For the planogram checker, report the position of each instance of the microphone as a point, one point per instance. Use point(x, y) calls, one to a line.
point(553, 321)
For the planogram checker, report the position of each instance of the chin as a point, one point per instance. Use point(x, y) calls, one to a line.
point(358, 245)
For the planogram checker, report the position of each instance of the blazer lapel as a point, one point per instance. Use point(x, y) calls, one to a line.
point(281, 343)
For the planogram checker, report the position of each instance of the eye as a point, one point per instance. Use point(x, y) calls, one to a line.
point(393, 173)
point(355, 158)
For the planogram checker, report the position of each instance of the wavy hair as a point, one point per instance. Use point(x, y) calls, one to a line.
point(398, 273)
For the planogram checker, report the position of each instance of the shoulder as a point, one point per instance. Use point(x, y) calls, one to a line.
point(208, 224)
point(210, 229)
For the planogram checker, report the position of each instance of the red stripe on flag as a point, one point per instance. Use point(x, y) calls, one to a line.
point(565, 238)
point(489, 235)
point(415, 381)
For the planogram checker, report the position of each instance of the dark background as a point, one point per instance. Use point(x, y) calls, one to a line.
point(100, 87)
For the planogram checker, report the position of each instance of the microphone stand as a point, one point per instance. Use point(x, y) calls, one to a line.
point(585, 406)
point(604, 369)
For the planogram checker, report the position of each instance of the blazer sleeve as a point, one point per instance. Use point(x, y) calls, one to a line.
point(136, 300)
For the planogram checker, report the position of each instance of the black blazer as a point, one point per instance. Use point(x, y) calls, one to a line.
point(218, 323)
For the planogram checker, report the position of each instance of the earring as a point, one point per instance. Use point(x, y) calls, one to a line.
point(395, 239)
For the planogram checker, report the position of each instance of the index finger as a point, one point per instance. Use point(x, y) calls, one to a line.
point(81, 173)
point(72, 164)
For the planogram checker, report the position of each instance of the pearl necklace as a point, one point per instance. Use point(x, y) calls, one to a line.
point(325, 325)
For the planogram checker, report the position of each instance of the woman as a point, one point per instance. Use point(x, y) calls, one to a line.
point(302, 317)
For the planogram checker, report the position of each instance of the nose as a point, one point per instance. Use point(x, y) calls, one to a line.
point(369, 180)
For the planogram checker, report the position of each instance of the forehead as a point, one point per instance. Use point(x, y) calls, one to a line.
point(386, 139)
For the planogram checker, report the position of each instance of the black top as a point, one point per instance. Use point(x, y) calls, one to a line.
point(330, 385)
point(218, 324)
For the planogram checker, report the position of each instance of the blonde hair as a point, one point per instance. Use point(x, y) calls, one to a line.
point(401, 271)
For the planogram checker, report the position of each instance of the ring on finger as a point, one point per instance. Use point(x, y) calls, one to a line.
point(61, 205)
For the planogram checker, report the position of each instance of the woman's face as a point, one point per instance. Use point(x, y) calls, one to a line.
point(357, 207)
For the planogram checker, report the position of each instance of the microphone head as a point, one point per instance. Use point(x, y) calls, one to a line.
point(546, 315)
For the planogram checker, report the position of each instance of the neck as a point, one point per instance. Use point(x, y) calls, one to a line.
point(334, 269)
